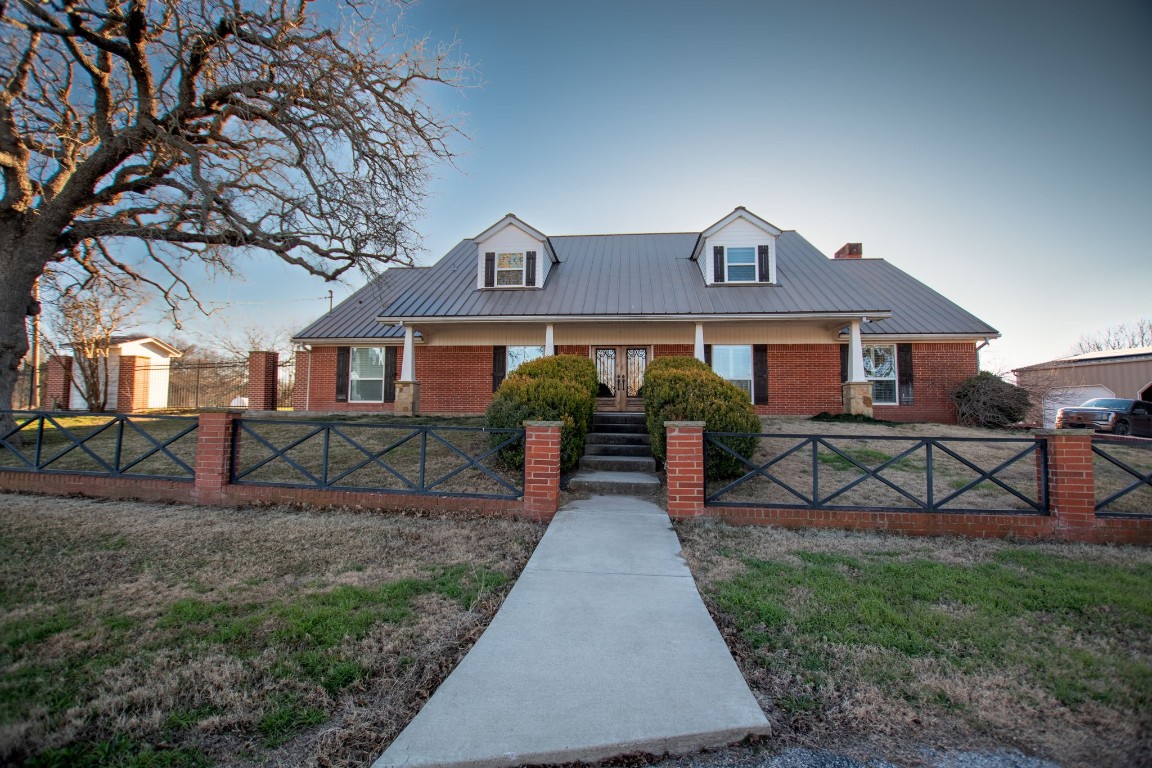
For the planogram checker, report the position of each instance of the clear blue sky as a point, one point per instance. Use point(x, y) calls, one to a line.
point(999, 151)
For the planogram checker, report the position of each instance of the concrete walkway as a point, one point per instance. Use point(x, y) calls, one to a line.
point(603, 647)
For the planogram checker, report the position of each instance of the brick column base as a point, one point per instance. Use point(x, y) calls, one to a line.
point(58, 384)
point(262, 380)
point(407, 398)
point(213, 457)
point(132, 384)
point(541, 469)
point(857, 398)
point(684, 462)
point(1071, 483)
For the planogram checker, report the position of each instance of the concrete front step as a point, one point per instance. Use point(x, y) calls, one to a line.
point(618, 463)
point(613, 449)
point(619, 438)
point(619, 427)
point(614, 483)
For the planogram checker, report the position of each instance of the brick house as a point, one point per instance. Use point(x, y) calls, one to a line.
point(799, 332)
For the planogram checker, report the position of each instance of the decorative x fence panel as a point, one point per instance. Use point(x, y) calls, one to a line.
point(1123, 474)
point(388, 458)
point(111, 445)
point(881, 473)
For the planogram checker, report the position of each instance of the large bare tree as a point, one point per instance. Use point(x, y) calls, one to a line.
point(140, 140)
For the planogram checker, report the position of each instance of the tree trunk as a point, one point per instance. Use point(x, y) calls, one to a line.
point(20, 264)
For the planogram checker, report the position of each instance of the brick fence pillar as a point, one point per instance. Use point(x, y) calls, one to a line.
point(1071, 483)
point(684, 462)
point(302, 386)
point(131, 384)
point(213, 456)
point(263, 368)
point(541, 469)
point(58, 384)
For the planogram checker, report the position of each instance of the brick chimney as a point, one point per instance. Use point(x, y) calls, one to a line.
point(851, 251)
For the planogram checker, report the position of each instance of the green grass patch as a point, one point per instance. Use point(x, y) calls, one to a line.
point(869, 457)
point(120, 752)
point(1023, 609)
point(286, 720)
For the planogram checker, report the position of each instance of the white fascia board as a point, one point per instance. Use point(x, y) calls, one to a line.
point(739, 213)
point(561, 319)
point(354, 342)
point(922, 336)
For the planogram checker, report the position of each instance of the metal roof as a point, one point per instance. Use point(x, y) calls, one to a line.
point(644, 275)
point(916, 308)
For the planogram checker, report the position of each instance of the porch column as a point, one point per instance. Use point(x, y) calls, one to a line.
point(857, 390)
point(549, 341)
point(408, 389)
point(698, 348)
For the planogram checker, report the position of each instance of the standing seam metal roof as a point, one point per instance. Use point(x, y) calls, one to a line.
point(645, 274)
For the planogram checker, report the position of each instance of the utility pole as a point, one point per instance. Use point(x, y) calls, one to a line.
point(34, 379)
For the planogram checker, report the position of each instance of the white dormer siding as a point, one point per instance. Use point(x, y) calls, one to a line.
point(739, 234)
point(509, 238)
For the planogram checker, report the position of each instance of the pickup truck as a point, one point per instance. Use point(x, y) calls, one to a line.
point(1119, 416)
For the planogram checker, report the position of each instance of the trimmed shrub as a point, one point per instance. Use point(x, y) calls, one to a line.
point(543, 394)
point(986, 400)
point(580, 370)
point(684, 389)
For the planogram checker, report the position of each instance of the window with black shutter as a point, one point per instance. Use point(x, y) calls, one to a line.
point(718, 264)
point(764, 254)
point(390, 374)
point(530, 268)
point(760, 374)
point(489, 269)
point(499, 366)
point(343, 361)
point(904, 372)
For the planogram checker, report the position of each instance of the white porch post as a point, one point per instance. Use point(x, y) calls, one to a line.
point(698, 349)
point(855, 353)
point(549, 341)
point(408, 365)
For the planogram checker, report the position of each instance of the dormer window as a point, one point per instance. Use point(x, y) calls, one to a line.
point(511, 269)
point(741, 264)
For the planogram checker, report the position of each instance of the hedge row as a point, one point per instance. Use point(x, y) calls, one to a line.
point(685, 389)
point(561, 388)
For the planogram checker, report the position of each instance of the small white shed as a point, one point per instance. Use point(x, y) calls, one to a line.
point(152, 358)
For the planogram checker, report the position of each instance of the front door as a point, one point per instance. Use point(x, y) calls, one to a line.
point(621, 371)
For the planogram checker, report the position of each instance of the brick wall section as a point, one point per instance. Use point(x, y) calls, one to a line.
point(453, 379)
point(262, 380)
point(685, 468)
point(214, 439)
point(132, 384)
point(581, 350)
point(1071, 483)
point(673, 350)
point(58, 383)
point(803, 380)
point(938, 370)
point(541, 469)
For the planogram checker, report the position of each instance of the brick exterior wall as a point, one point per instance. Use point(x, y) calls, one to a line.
point(938, 369)
point(542, 469)
point(803, 379)
point(262, 380)
point(58, 383)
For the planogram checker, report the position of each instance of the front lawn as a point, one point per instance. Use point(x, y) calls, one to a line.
point(897, 643)
point(143, 634)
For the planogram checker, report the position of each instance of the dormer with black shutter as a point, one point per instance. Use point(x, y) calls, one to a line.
point(740, 249)
point(511, 254)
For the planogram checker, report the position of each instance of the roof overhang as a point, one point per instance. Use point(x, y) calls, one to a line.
point(678, 318)
point(739, 213)
point(925, 336)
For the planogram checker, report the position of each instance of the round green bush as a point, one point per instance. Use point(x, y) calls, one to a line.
point(683, 391)
point(986, 400)
point(525, 398)
point(580, 370)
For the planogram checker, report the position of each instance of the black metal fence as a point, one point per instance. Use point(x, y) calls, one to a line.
point(883, 473)
point(24, 396)
point(199, 384)
point(120, 445)
point(388, 458)
point(1122, 469)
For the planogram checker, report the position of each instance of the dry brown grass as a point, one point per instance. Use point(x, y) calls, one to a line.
point(141, 593)
point(898, 442)
point(870, 698)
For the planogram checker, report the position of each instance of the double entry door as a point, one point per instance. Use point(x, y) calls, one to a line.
point(621, 371)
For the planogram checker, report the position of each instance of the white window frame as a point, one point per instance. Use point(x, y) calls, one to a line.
point(509, 368)
point(751, 380)
point(755, 263)
point(353, 379)
point(498, 269)
point(869, 366)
